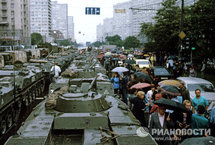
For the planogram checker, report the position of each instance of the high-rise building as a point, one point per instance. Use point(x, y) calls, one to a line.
point(14, 22)
point(143, 11)
point(99, 33)
point(60, 18)
point(122, 19)
point(71, 33)
point(105, 29)
point(40, 17)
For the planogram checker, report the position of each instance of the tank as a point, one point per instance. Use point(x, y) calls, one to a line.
point(21, 83)
point(81, 111)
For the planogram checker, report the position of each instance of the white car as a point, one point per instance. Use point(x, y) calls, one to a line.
point(142, 63)
point(206, 87)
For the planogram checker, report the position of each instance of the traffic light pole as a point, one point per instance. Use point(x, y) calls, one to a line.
point(181, 24)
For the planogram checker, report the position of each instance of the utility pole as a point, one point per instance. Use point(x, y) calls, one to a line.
point(181, 26)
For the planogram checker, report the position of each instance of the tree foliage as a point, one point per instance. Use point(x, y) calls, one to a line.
point(131, 42)
point(203, 30)
point(36, 39)
point(114, 40)
point(98, 44)
point(163, 35)
point(65, 42)
point(199, 22)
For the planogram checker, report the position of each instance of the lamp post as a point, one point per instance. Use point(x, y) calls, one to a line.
point(181, 25)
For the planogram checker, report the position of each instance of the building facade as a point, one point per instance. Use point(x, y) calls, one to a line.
point(122, 19)
point(60, 18)
point(14, 22)
point(99, 33)
point(40, 18)
point(143, 11)
point(71, 28)
point(105, 29)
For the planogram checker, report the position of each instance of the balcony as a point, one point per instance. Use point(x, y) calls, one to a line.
point(4, 8)
point(4, 23)
point(4, 1)
point(4, 16)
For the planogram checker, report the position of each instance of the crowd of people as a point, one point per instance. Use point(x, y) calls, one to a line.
point(153, 116)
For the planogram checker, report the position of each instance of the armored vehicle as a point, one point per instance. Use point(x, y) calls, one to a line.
point(21, 83)
point(81, 111)
point(85, 118)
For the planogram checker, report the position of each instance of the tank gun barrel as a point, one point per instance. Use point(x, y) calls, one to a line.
point(92, 83)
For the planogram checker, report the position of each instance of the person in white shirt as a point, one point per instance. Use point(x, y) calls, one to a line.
point(56, 69)
point(151, 94)
point(161, 120)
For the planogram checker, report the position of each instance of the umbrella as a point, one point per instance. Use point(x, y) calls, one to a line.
point(199, 141)
point(122, 56)
point(115, 59)
point(169, 104)
point(175, 83)
point(144, 76)
point(140, 86)
point(120, 69)
point(100, 55)
point(129, 61)
point(170, 90)
point(108, 53)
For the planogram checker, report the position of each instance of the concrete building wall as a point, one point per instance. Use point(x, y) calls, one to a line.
point(71, 28)
point(14, 21)
point(60, 18)
point(40, 17)
point(122, 19)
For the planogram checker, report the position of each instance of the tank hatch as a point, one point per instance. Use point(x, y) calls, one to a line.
point(81, 103)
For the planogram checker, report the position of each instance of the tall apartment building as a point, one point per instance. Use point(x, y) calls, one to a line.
point(40, 17)
point(14, 22)
point(139, 15)
point(71, 33)
point(122, 19)
point(99, 33)
point(105, 29)
point(60, 18)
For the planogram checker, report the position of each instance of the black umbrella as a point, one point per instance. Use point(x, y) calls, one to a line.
point(199, 141)
point(129, 61)
point(169, 104)
point(141, 75)
point(170, 90)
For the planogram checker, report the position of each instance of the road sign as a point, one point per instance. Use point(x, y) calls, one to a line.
point(193, 48)
point(120, 11)
point(182, 35)
point(92, 11)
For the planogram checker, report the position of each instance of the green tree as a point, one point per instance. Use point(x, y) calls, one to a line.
point(203, 30)
point(163, 35)
point(65, 42)
point(97, 44)
point(131, 42)
point(36, 39)
point(114, 40)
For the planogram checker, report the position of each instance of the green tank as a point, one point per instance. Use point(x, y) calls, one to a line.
point(21, 83)
point(81, 111)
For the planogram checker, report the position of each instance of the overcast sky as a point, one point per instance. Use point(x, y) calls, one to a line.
point(86, 24)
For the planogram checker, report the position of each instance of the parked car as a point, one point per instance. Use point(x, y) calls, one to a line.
point(161, 73)
point(206, 87)
point(142, 63)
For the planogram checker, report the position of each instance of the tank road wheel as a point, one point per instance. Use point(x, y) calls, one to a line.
point(3, 126)
point(33, 95)
point(9, 119)
point(26, 101)
point(17, 110)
